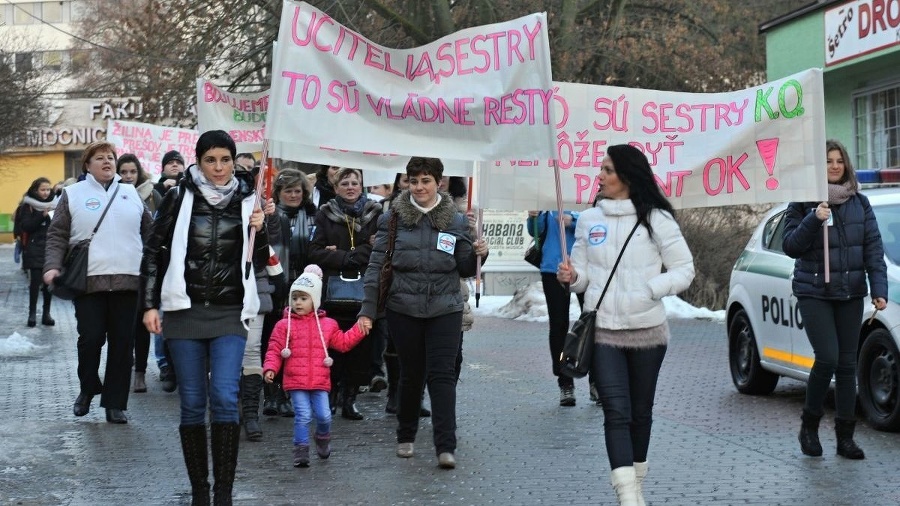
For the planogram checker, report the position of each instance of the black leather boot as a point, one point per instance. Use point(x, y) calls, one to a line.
point(225, 440)
point(809, 434)
point(193, 447)
point(251, 385)
point(348, 408)
point(45, 315)
point(846, 447)
point(270, 406)
point(32, 317)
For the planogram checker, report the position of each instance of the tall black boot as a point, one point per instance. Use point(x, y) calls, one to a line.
point(45, 315)
point(193, 447)
point(809, 434)
point(270, 405)
point(392, 364)
point(225, 440)
point(32, 307)
point(846, 447)
point(251, 384)
point(348, 408)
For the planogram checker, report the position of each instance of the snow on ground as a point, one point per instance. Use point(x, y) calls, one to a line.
point(17, 345)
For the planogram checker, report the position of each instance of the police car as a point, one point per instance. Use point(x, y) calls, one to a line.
point(766, 337)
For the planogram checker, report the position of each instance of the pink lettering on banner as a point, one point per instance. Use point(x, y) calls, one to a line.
point(768, 150)
point(248, 136)
point(213, 94)
point(518, 107)
point(683, 118)
point(311, 85)
point(615, 112)
point(466, 55)
point(673, 188)
point(345, 97)
point(720, 173)
point(581, 152)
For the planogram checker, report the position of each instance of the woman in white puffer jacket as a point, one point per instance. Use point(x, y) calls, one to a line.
point(632, 335)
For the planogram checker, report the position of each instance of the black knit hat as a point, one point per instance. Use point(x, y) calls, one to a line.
point(172, 155)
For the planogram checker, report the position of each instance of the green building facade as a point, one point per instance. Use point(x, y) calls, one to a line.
point(857, 44)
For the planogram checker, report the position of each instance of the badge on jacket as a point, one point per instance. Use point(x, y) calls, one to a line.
point(446, 242)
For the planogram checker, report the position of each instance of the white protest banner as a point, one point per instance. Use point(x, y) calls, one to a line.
point(482, 93)
point(150, 142)
point(242, 115)
point(763, 144)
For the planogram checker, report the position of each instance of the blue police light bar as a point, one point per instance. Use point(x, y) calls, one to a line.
point(868, 176)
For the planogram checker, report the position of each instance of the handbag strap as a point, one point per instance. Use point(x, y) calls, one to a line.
point(540, 238)
point(609, 280)
point(392, 235)
point(105, 209)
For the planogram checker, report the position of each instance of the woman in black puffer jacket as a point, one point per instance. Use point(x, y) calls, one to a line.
point(832, 311)
point(197, 271)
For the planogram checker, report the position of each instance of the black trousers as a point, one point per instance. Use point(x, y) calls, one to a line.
point(427, 349)
point(558, 299)
point(141, 341)
point(35, 285)
point(106, 318)
point(832, 327)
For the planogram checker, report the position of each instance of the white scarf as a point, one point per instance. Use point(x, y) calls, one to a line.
point(174, 287)
point(39, 205)
point(424, 210)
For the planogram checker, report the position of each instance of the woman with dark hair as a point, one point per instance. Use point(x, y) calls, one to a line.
point(832, 310)
point(432, 252)
point(324, 188)
point(106, 311)
point(197, 267)
point(341, 247)
point(31, 224)
point(129, 167)
point(632, 334)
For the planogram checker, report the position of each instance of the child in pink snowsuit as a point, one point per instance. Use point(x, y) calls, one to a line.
point(299, 343)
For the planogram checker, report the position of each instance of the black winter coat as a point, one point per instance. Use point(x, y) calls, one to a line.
point(214, 248)
point(34, 223)
point(854, 246)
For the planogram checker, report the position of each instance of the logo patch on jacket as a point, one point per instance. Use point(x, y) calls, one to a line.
point(597, 235)
point(446, 243)
point(92, 204)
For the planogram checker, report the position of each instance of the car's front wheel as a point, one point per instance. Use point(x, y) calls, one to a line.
point(743, 358)
point(878, 375)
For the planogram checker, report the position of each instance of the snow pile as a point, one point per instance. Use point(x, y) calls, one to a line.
point(17, 345)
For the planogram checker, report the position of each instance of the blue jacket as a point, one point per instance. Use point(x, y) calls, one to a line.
point(854, 246)
point(552, 255)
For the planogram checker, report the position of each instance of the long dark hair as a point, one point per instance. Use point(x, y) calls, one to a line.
point(634, 170)
point(849, 176)
point(32, 190)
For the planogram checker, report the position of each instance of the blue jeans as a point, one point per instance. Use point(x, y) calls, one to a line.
point(626, 381)
point(159, 351)
point(208, 368)
point(306, 404)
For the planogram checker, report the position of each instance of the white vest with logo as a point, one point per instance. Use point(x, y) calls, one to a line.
point(117, 247)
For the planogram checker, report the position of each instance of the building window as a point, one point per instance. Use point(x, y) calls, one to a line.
point(52, 12)
point(23, 14)
point(876, 114)
point(52, 60)
point(80, 60)
point(24, 62)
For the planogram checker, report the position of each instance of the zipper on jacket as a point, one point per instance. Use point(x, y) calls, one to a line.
point(214, 236)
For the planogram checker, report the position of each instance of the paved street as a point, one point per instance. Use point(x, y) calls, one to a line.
point(711, 445)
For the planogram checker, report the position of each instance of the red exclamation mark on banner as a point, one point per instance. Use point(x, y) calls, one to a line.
point(768, 150)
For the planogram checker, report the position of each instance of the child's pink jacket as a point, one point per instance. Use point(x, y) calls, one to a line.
point(305, 369)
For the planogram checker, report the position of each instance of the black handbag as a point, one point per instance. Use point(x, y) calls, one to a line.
point(578, 349)
point(344, 294)
point(72, 280)
point(535, 253)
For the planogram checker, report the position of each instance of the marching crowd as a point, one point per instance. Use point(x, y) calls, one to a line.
point(304, 298)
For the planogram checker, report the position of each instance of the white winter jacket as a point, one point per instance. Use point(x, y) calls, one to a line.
point(633, 300)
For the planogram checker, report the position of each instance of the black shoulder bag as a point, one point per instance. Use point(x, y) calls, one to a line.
point(535, 253)
point(577, 354)
point(72, 281)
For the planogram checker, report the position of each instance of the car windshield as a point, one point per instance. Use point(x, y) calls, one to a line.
point(889, 225)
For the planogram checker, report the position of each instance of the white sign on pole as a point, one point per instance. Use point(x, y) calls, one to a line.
point(482, 93)
point(150, 142)
point(242, 115)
